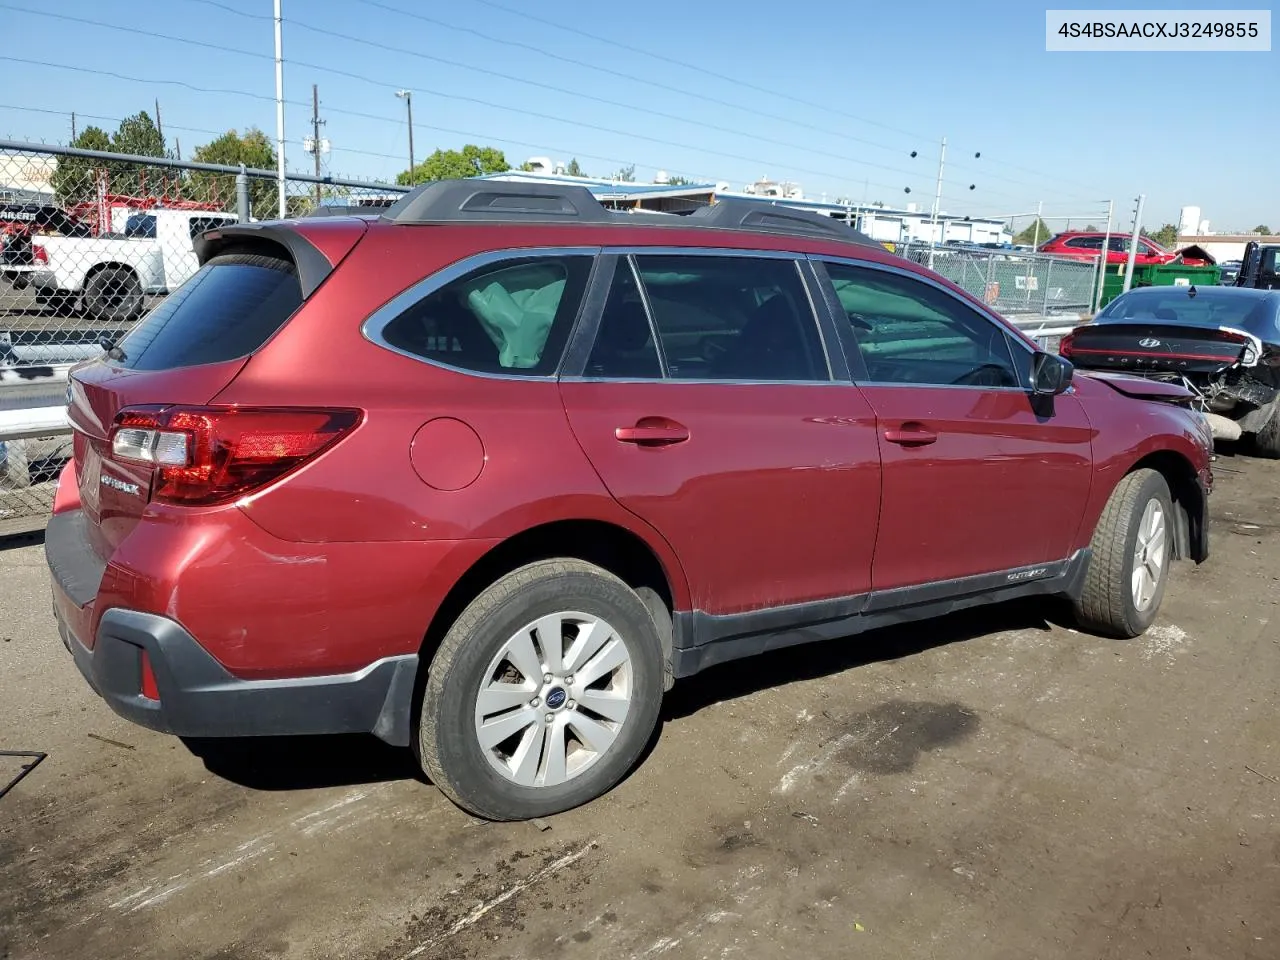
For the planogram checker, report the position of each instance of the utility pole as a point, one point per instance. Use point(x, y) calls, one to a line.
point(159, 128)
point(177, 147)
point(280, 168)
point(407, 96)
point(1102, 260)
point(73, 126)
point(315, 132)
point(1133, 243)
point(937, 202)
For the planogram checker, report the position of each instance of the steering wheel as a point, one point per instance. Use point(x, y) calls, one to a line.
point(986, 375)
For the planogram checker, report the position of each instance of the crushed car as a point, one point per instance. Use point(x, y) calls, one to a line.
point(1222, 343)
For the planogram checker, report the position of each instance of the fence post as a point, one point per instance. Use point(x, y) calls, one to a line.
point(242, 195)
point(1048, 275)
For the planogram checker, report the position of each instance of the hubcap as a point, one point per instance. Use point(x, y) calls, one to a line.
point(1148, 555)
point(554, 699)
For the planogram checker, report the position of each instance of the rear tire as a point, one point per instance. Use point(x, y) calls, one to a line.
point(113, 294)
point(1132, 551)
point(1266, 442)
point(568, 739)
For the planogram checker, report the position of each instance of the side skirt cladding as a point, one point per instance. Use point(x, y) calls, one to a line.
point(703, 640)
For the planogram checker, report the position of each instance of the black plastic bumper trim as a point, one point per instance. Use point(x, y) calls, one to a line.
point(199, 698)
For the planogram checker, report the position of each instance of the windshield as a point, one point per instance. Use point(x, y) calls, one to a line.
point(1209, 308)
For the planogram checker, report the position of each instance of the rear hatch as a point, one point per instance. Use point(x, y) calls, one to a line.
point(1156, 347)
point(182, 354)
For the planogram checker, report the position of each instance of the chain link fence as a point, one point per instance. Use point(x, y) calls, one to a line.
point(1013, 282)
point(89, 242)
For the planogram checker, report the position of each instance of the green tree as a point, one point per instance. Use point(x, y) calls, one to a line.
point(470, 161)
point(1031, 233)
point(1166, 236)
point(1263, 229)
point(73, 181)
point(254, 150)
point(574, 169)
point(139, 136)
point(626, 174)
point(678, 181)
point(1091, 229)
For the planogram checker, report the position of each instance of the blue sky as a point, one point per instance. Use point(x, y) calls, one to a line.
point(832, 95)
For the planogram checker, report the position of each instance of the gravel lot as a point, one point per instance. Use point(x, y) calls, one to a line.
point(993, 785)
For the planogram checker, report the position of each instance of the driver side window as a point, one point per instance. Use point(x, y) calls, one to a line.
point(909, 332)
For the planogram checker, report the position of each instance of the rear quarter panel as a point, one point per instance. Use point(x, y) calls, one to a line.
point(1127, 431)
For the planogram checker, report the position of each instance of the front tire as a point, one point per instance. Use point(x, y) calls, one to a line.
point(1132, 551)
point(543, 693)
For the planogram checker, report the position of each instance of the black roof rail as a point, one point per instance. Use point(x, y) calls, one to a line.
point(512, 201)
point(497, 201)
point(756, 215)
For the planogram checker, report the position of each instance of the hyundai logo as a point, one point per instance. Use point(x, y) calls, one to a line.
point(1148, 342)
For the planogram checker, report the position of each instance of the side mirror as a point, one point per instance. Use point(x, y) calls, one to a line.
point(1050, 374)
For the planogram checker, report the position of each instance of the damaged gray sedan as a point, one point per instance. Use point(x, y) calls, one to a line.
point(1222, 343)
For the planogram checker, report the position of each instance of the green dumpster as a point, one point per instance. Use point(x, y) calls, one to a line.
point(1162, 275)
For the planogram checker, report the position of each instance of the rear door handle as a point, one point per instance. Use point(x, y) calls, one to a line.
point(911, 435)
point(653, 432)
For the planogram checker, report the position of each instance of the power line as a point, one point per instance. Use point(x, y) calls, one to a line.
point(700, 122)
point(490, 104)
point(737, 81)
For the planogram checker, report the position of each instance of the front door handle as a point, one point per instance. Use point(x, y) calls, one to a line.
point(911, 435)
point(653, 432)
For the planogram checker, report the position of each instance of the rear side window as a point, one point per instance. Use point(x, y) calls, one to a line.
point(733, 318)
point(228, 309)
point(511, 317)
point(1085, 243)
point(140, 226)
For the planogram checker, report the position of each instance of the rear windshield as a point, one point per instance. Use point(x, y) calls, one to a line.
point(225, 311)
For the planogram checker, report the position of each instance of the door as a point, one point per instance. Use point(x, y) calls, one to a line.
point(706, 402)
point(977, 479)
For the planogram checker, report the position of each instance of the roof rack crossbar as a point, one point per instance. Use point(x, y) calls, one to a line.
point(497, 201)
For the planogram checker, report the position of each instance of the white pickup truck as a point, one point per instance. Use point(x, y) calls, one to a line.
point(108, 277)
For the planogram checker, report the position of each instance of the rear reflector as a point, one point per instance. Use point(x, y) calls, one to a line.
point(150, 689)
point(207, 455)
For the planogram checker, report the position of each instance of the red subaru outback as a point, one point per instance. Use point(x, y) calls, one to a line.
point(486, 474)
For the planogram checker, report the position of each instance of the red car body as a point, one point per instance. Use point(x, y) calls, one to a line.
point(1084, 245)
point(306, 596)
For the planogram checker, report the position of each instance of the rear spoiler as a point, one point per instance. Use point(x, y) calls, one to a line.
point(313, 266)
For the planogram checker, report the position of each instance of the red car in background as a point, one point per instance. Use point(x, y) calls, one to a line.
point(1082, 245)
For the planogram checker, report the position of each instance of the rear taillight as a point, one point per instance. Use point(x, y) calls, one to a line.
point(39, 254)
point(208, 455)
point(1064, 345)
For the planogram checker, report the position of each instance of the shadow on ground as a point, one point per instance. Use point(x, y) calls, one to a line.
point(305, 763)
point(810, 661)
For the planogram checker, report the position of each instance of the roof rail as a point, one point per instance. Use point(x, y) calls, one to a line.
point(344, 210)
point(497, 201)
point(512, 201)
point(735, 214)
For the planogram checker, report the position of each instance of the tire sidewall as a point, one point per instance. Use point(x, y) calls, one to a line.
point(1153, 488)
point(450, 696)
point(130, 292)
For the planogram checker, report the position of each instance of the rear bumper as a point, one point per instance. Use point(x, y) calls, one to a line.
point(198, 695)
point(199, 698)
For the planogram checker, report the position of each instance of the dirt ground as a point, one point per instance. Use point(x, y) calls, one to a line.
point(993, 785)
